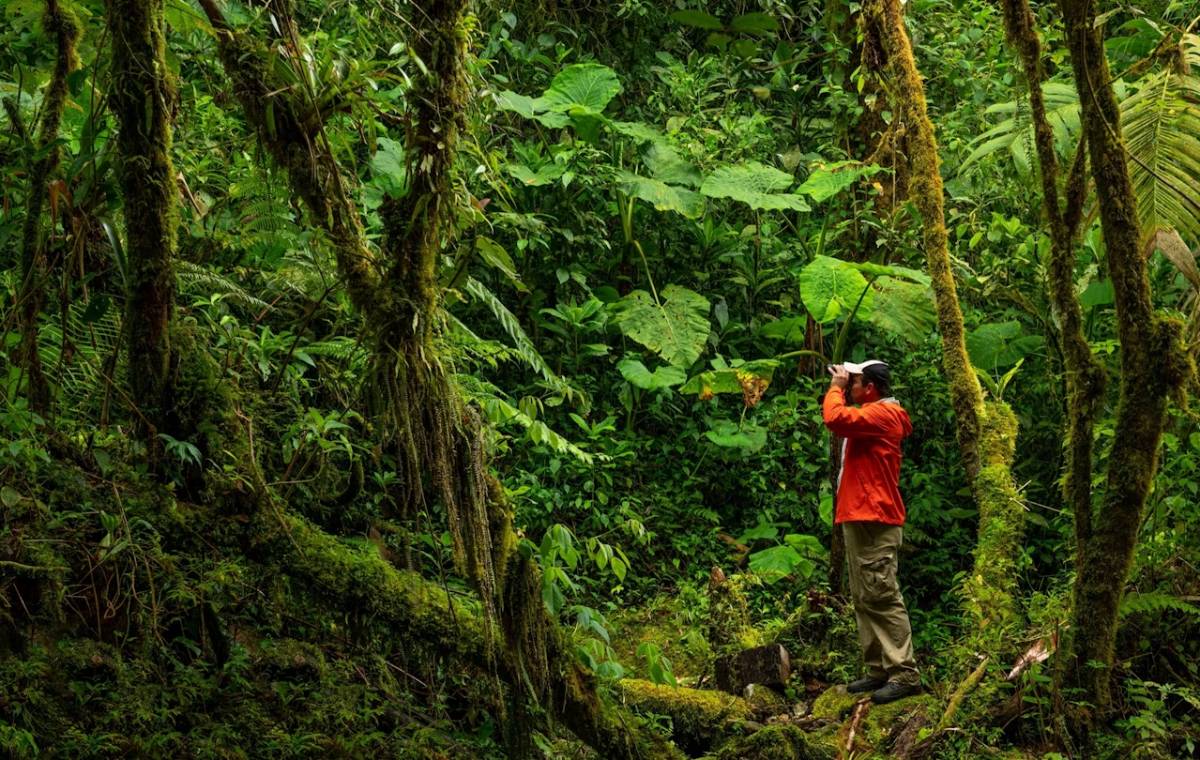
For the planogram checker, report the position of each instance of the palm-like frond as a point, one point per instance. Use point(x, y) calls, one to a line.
point(1161, 124)
point(1015, 133)
point(521, 342)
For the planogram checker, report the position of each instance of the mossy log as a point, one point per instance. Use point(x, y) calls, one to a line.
point(359, 579)
point(702, 719)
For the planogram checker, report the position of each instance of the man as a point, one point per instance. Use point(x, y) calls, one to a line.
point(871, 513)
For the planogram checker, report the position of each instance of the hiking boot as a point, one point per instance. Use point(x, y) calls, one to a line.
point(870, 683)
point(893, 691)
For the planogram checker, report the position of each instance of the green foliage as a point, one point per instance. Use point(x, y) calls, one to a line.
point(673, 324)
point(754, 184)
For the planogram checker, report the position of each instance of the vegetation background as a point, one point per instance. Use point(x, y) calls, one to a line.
point(388, 378)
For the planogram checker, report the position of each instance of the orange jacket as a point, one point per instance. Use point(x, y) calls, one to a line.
point(868, 489)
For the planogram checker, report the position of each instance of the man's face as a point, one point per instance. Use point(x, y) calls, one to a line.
point(860, 392)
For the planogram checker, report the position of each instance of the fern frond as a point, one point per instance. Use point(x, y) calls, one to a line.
point(1156, 603)
point(1161, 123)
point(499, 412)
point(521, 342)
point(198, 279)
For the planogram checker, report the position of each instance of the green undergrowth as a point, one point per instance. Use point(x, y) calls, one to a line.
point(136, 624)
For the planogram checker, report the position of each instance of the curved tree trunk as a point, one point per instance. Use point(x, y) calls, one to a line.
point(143, 98)
point(62, 25)
point(437, 440)
point(986, 431)
point(1154, 364)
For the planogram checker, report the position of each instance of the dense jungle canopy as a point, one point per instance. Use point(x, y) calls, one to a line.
point(443, 379)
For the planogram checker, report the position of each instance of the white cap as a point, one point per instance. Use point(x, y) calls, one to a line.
point(856, 369)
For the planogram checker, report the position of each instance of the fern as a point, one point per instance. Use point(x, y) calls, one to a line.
point(1161, 122)
point(195, 278)
point(521, 342)
point(78, 371)
point(1156, 603)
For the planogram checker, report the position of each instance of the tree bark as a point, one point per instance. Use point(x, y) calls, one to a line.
point(1085, 376)
point(986, 431)
point(62, 25)
point(143, 98)
point(1154, 364)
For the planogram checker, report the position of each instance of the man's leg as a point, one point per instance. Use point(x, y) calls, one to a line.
point(878, 603)
point(858, 539)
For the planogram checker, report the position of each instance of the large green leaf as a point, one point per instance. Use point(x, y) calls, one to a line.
point(662, 196)
point(825, 182)
point(662, 377)
point(1000, 344)
point(698, 19)
point(1015, 133)
point(754, 23)
point(789, 330)
point(726, 379)
point(581, 88)
point(754, 184)
point(666, 164)
point(903, 308)
point(676, 330)
point(830, 288)
point(730, 435)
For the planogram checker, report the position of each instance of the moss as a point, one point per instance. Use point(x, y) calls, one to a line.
point(882, 722)
point(61, 24)
point(778, 742)
point(729, 629)
point(699, 718)
point(836, 703)
point(291, 660)
point(143, 98)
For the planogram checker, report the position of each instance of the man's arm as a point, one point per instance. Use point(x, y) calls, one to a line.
point(846, 421)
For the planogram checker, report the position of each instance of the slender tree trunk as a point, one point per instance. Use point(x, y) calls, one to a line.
point(1154, 364)
point(1084, 374)
point(143, 98)
point(986, 431)
point(60, 24)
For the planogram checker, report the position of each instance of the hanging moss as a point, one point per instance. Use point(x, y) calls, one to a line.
point(60, 24)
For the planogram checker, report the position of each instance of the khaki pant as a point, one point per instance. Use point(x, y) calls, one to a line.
point(883, 628)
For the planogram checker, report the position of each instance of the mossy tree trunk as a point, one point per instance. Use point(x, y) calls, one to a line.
point(143, 97)
point(61, 25)
point(436, 438)
point(1154, 364)
point(986, 430)
point(1085, 376)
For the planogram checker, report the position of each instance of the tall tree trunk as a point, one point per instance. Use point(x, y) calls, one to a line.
point(986, 431)
point(143, 98)
point(1085, 376)
point(1154, 363)
point(62, 25)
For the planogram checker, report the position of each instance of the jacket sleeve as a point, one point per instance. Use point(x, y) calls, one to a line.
point(848, 422)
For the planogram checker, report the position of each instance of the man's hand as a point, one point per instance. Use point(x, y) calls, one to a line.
point(840, 378)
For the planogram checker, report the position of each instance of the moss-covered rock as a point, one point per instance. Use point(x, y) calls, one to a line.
point(779, 742)
point(836, 703)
